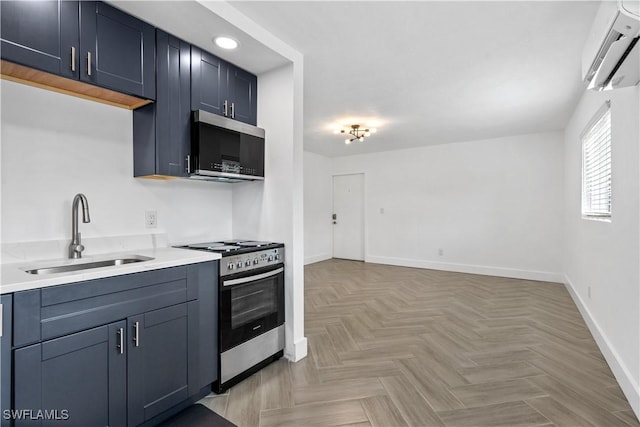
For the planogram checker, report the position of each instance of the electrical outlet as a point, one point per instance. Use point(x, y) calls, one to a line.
point(589, 291)
point(151, 219)
point(440, 252)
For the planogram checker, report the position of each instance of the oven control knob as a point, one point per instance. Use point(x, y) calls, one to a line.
point(239, 264)
point(277, 257)
point(270, 257)
point(247, 263)
point(230, 266)
point(255, 260)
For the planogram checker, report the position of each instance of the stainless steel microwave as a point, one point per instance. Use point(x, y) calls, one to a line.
point(226, 150)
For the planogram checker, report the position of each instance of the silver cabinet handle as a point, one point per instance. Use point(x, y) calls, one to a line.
point(233, 110)
point(88, 63)
point(188, 159)
point(136, 337)
point(120, 345)
point(224, 108)
point(73, 58)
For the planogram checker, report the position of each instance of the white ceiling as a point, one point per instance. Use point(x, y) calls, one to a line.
point(194, 23)
point(423, 72)
point(431, 72)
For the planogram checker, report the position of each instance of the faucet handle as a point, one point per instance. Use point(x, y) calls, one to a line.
point(79, 248)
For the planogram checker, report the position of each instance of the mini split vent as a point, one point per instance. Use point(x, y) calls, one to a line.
point(611, 56)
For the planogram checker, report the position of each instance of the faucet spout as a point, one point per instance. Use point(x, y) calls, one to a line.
point(76, 248)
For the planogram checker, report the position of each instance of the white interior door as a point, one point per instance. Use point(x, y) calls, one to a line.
point(348, 220)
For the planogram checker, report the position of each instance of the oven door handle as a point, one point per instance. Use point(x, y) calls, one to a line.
point(252, 278)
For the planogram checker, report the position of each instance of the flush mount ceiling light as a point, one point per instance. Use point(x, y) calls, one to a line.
point(225, 42)
point(356, 133)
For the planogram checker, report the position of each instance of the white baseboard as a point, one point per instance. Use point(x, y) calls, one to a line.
point(316, 258)
point(543, 276)
point(299, 350)
point(627, 383)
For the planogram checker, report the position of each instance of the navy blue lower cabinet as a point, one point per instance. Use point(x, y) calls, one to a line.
point(203, 339)
point(157, 362)
point(42, 35)
point(76, 380)
point(5, 359)
point(118, 351)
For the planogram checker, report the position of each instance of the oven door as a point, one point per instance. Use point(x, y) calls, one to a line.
point(250, 304)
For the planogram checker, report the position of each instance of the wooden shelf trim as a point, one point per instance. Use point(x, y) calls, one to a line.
point(29, 76)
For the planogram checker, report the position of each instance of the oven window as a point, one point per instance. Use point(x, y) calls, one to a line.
point(253, 301)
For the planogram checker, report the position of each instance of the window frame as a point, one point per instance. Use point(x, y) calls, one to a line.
point(586, 208)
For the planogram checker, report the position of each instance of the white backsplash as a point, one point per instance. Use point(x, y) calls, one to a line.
point(58, 249)
point(54, 146)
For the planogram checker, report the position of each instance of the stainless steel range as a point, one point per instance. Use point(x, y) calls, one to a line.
point(250, 307)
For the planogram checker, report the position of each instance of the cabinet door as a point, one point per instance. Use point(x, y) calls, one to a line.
point(116, 50)
point(203, 327)
point(242, 93)
point(208, 82)
point(41, 34)
point(173, 105)
point(81, 377)
point(157, 362)
point(5, 356)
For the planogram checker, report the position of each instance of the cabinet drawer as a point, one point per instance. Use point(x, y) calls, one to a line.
point(60, 310)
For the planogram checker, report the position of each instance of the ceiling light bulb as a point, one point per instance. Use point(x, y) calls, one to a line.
point(367, 134)
point(373, 130)
point(361, 138)
point(225, 42)
point(347, 141)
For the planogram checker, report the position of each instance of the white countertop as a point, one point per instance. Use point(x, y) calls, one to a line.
point(15, 278)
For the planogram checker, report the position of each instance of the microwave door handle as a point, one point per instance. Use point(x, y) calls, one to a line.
point(252, 278)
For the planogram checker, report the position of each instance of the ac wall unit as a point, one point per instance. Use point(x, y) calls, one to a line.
point(611, 55)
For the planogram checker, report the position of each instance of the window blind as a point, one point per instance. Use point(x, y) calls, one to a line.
point(596, 166)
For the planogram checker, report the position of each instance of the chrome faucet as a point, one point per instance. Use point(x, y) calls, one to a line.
point(76, 248)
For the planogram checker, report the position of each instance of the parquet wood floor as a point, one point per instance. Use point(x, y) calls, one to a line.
point(395, 346)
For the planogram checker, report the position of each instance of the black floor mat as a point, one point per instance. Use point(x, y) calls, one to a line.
point(197, 415)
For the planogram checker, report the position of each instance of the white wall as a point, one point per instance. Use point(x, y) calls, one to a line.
point(317, 207)
point(493, 206)
point(279, 204)
point(54, 146)
point(270, 210)
point(605, 256)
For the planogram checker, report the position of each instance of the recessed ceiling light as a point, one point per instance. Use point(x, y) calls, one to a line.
point(225, 42)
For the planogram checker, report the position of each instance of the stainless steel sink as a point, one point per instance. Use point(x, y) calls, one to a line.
point(88, 265)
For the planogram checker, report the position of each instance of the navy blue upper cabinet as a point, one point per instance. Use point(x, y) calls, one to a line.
point(173, 112)
point(242, 93)
point(222, 88)
point(42, 35)
point(208, 82)
point(162, 130)
point(116, 50)
point(87, 41)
